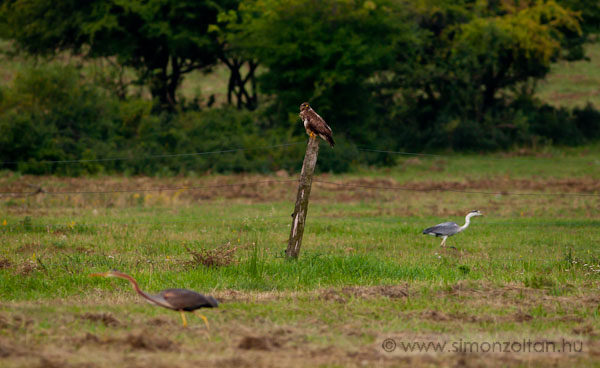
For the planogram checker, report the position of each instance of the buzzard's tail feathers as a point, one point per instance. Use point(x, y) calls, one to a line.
point(330, 140)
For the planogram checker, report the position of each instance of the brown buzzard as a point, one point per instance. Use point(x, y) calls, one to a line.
point(314, 124)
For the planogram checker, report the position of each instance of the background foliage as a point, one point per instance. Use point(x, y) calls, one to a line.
point(418, 75)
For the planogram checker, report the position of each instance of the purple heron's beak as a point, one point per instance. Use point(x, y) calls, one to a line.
point(98, 274)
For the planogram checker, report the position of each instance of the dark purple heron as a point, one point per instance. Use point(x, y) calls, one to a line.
point(181, 300)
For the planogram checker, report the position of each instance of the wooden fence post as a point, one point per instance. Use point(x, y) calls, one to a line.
point(299, 215)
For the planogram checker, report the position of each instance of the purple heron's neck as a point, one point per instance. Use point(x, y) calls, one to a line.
point(135, 285)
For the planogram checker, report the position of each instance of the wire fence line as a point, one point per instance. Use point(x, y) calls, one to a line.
point(83, 225)
point(398, 220)
point(450, 156)
point(282, 145)
point(150, 157)
point(455, 190)
point(40, 190)
point(195, 187)
point(318, 181)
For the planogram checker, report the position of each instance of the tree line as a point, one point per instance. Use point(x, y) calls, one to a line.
point(410, 74)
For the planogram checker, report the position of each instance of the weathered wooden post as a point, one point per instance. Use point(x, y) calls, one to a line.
point(299, 215)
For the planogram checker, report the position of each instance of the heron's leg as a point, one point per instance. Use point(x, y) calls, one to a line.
point(444, 241)
point(203, 317)
point(183, 318)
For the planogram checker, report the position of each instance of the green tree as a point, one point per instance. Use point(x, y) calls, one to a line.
point(589, 11)
point(162, 39)
point(324, 52)
point(474, 60)
point(238, 57)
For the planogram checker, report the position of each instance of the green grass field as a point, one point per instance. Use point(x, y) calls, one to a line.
point(571, 84)
point(528, 270)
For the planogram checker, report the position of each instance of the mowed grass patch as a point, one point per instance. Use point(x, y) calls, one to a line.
point(571, 84)
point(353, 250)
point(334, 326)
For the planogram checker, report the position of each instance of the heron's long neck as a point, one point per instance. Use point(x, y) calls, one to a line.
point(467, 222)
point(136, 287)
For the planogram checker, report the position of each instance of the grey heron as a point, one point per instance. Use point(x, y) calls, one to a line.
point(446, 229)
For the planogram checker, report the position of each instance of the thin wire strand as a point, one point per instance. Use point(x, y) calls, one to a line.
point(485, 221)
point(279, 146)
point(152, 156)
point(154, 189)
point(457, 190)
point(530, 160)
point(137, 223)
point(368, 219)
point(315, 181)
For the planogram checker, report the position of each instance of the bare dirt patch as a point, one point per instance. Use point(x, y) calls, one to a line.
point(586, 330)
point(46, 362)
point(259, 343)
point(105, 318)
point(341, 296)
point(136, 341)
point(236, 362)
point(15, 322)
point(435, 316)
point(8, 349)
point(467, 288)
point(390, 291)
point(584, 185)
point(260, 188)
point(158, 322)
point(520, 316)
point(146, 341)
point(332, 295)
point(439, 316)
point(158, 190)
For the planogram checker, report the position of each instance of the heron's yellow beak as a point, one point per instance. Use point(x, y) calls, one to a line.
point(105, 274)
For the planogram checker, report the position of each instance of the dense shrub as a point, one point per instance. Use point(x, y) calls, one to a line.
point(50, 114)
point(587, 121)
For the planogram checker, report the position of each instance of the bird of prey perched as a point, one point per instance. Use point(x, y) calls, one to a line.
point(447, 229)
point(315, 125)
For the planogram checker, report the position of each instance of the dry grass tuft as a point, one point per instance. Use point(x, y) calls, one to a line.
point(27, 268)
point(220, 256)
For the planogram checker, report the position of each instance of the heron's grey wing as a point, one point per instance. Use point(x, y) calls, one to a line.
point(443, 229)
point(187, 300)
